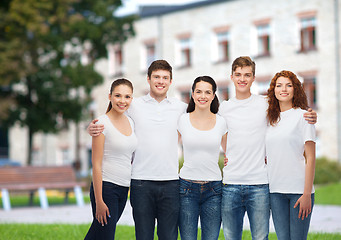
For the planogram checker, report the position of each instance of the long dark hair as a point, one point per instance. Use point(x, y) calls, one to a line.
point(117, 82)
point(214, 104)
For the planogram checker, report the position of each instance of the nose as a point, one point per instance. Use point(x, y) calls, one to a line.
point(243, 78)
point(202, 95)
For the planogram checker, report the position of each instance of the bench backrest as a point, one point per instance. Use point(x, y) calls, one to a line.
point(32, 174)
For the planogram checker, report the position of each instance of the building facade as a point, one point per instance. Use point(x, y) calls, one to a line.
point(204, 38)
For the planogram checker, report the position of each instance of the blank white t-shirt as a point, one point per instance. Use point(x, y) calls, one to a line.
point(117, 155)
point(284, 150)
point(201, 150)
point(156, 156)
point(246, 127)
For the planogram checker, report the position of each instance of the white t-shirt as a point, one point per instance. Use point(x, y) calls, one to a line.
point(156, 156)
point(201, 150)
point(117, 155)
point(246, 127)
point(284, 150)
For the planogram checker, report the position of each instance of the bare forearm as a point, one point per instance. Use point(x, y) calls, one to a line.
point(310, 167)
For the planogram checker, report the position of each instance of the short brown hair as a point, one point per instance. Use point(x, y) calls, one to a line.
point(159, 65)
point(244, 61)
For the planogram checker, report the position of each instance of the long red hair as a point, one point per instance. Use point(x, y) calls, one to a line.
point(299, 100)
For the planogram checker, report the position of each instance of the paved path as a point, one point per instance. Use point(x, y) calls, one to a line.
point(324, 218)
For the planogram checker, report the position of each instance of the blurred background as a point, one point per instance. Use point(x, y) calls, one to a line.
point(58, 59)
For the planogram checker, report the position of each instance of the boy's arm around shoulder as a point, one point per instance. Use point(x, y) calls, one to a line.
point(95, 129)
point(310, 116)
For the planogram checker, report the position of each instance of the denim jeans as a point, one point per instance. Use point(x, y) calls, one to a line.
point(155, 200)
point(287, 224)
point(115, 197)
point(202, 200)
point(255, 200)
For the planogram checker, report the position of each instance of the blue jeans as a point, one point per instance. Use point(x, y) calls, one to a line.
point(152, 200)
point(115, 197)
point(202, 200)
point(287, 224)
point(255, 200)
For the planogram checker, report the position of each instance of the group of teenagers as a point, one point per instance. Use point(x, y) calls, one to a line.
point(269, 144)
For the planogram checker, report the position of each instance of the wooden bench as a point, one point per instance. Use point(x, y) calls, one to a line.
point(31, 179)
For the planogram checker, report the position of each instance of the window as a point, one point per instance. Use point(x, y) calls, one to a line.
point(118, 61)
point(223, 93)
point(150, 53)
point(185, 96)
point(309, 86)
point(185, 52)
point(223, 46)
point(115, 60)
point(263, 86)
point(263, 40)
point(65, 155)
point(308, 36)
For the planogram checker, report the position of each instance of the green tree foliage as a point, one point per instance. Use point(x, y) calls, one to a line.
point(48, 49)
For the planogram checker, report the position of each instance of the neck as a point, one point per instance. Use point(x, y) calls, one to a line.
point(284, 106)
point(242, 95)
point(114, 114)
point(158, 98)
point(202, 112)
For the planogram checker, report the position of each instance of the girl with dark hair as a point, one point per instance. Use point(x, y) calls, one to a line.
point(111, 162)
point(202, 132)
point(290, 150)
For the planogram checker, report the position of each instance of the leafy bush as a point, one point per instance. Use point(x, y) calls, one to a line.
point(327, 171)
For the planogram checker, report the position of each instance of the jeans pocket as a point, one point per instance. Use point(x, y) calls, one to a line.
point(183, 191)
point(136, 183)
point(217, 189)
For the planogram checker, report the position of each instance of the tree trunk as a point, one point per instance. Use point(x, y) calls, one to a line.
point(77, 162)
point(29, 150)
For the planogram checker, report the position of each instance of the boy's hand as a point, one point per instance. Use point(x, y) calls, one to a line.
point(95, 129)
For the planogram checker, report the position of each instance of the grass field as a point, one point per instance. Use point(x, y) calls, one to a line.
point(76, 232)
point(328, 194)
point(325, 195)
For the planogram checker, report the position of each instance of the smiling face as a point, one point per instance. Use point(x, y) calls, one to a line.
point(203, 95)
point(284, 90)
point(121, 97)
point(159, 82)
point(243, 78)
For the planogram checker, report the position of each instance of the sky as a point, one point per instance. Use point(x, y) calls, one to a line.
point(131, 6)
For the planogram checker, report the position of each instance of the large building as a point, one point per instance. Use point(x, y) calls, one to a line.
point(203, 38)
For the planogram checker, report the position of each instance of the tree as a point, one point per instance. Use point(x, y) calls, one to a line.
point(44, 82)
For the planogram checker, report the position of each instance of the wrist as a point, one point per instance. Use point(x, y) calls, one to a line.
point(306, 194)
point(99, 201)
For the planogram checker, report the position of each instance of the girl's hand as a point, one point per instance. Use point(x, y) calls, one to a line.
point(305, 206)
point(225, 160)
point(102, 212)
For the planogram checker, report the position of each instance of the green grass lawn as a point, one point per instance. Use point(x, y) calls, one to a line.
point(76, 232)
point(326, 194)
point(53, 199)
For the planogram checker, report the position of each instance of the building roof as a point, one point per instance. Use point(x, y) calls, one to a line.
point(157, 10)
